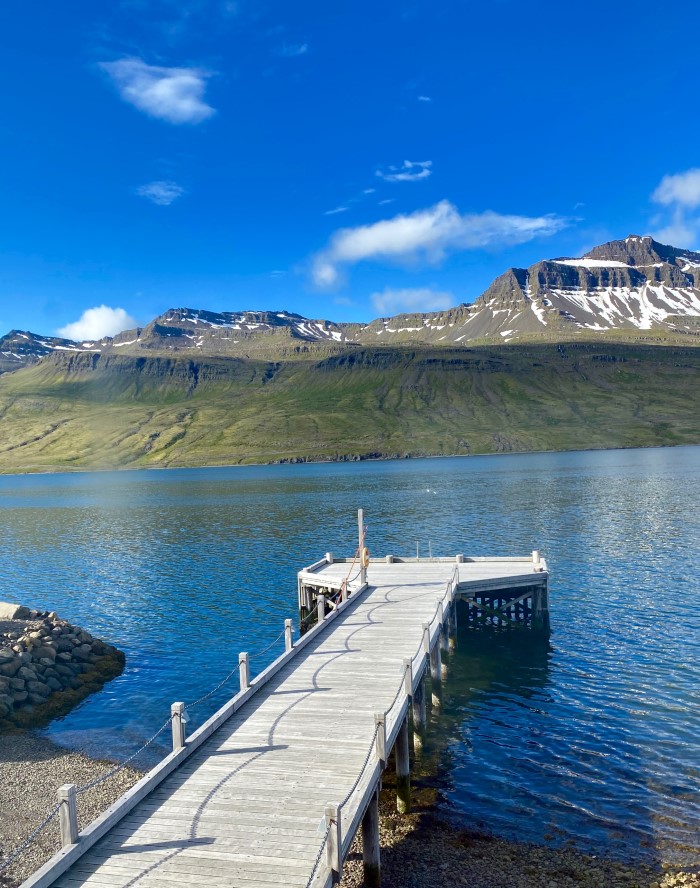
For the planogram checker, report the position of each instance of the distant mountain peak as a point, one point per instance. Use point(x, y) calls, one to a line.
point(634, 284)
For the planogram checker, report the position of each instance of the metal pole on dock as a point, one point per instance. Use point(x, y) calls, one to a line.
point(361, 543)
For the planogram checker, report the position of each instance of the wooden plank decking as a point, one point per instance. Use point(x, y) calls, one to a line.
point(246, 808)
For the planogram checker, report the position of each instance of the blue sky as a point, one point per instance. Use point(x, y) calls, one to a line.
point(342, 160)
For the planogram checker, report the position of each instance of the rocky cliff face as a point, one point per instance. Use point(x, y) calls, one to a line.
point(635, 284)
point(20, 348)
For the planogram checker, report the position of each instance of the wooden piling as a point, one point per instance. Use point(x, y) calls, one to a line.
point(288, 641)
point(436, 675)
point(370, 843)
point(419, 715)
point(403, 769)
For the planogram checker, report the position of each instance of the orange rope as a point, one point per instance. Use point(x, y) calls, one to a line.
point(357, 552)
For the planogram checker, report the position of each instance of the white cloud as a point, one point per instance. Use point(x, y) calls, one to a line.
point(426, 235)
point(682, 189)
point(171, 94)
point(680, 193)
point(94, 323)
point(161, 193)
point(290, 50)
point(409, 171)
point(368, 190)
point(387, 200)
point(335, 211)
point(392, 301)
point(424, 99)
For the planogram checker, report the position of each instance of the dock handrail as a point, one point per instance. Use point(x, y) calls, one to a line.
point(75, 844)
point(333, 825)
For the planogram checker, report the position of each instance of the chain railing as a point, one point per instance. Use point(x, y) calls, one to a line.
point(380, 727)
point(69, 834)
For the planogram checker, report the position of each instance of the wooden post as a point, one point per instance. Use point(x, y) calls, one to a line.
point(459, 559)
point(436, 675)
point(380, 722)
point(288, 642)
point(426, 638)
point(408, 678)
point(321, 604)
point(545, 607)
point(68, 814)
point(403, 769)
point(536, 559)
point(419, 714)
point(370, 843)
point(178, 725)
point(452, 624)
point(244, 671)
point(444, 644)
point(334, 845)
point(329, 557)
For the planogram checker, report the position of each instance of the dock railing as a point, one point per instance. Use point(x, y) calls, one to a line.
point(342, 820)
point(75, 844)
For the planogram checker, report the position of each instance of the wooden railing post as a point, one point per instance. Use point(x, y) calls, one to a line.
point(426, 638)
point(244, 671)
point(321, 605)
point(334, 845)
point(288, 642)
point(380, 723)
point(177, 711)
point(68, 814)
point(408, 678)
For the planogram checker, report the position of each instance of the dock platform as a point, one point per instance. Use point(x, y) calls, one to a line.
point(273, 788)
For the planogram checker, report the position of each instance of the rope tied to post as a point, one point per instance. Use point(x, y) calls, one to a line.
point(359, 552)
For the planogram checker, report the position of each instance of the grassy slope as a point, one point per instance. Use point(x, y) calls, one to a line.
point(365, 402)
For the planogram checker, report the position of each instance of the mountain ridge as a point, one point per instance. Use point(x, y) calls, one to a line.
point(635, 287)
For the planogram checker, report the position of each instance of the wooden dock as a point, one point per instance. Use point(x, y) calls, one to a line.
point(273, 788)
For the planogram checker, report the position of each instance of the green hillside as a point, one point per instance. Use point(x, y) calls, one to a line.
point(91, 411)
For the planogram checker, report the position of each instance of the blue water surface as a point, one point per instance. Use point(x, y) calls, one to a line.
point(591, 737)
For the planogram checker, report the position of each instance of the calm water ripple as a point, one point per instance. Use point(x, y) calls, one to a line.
point(589, 738)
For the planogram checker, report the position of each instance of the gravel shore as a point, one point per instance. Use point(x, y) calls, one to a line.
point(419, 850)
point(31, 770)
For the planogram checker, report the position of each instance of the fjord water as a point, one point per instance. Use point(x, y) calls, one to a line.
point(590, 736)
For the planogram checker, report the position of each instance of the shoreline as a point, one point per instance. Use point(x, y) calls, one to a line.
point(423, 849)
point(305, 461)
